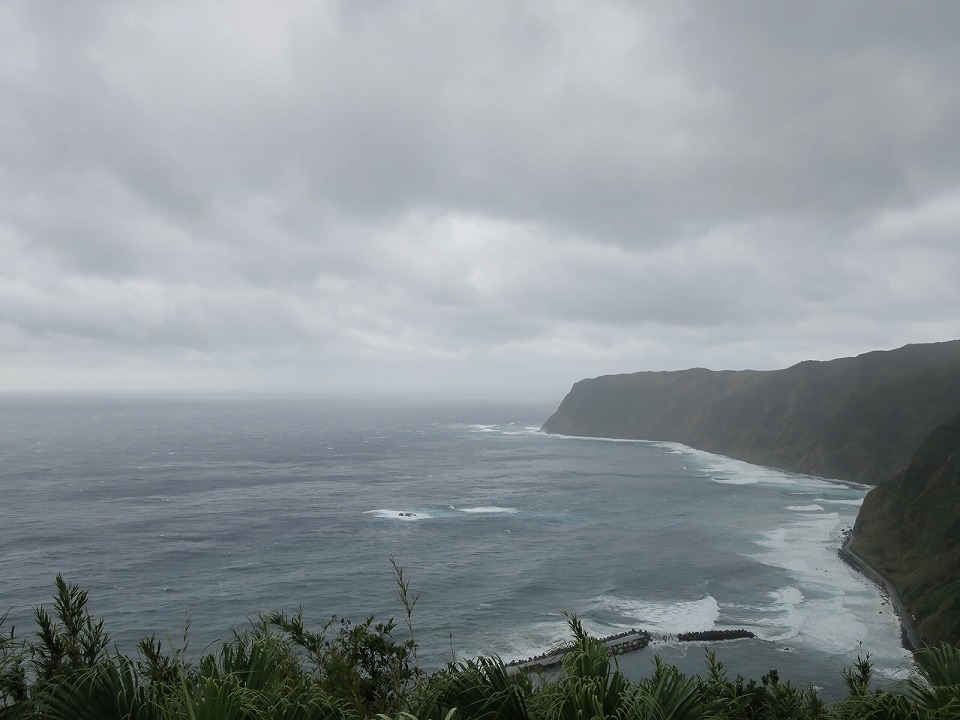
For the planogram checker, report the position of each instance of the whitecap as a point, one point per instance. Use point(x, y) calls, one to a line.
point(530, 640)
point(154, 499)
point(825, 622)
point(803, 546)
point(590, 438)
point(805, 508)
point(728, 471)
point(788, 597)
point(782, 617)
point(674, 448)
point(663, 617)
point(773, 539)
point(487, 509)
point(483, 428)
point(734, 480)
point(829, 613)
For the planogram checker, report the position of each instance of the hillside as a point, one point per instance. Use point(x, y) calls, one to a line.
point(857, 419)
point(909, 529)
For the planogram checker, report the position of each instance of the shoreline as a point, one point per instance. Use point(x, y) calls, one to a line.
point(908, 631)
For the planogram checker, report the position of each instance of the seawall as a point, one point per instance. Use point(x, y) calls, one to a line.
point(911, 641)
point(621, 643)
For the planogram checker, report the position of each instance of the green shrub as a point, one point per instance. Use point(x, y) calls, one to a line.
point(280, 669)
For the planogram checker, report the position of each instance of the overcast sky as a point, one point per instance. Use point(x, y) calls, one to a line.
point(490, 199)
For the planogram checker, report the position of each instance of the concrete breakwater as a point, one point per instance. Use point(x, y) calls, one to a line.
point(714, 635)
point(908, 631)
point(618, 644)
point(625, 642)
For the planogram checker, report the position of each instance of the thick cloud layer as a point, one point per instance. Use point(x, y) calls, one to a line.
point(488, 199)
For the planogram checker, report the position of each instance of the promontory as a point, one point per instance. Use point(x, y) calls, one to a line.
point(859, 418)
point(890, 419)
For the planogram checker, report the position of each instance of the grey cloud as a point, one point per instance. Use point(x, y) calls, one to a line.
point(596, 187)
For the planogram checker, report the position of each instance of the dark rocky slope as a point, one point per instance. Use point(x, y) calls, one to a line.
point(856, 418)
point(909, 530)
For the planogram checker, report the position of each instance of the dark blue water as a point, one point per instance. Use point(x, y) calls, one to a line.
point(213, 510)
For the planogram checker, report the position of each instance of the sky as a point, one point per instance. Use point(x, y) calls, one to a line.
point(483, 199)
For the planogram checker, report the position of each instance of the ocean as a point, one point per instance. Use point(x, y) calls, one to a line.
point(204, 512)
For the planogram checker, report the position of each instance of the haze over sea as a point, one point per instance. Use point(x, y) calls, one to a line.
point(215, 509)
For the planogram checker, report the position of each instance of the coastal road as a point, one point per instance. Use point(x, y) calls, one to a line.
point(911, 641)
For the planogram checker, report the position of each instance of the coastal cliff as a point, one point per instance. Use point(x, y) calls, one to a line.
point(888, 418)
point(859, 418)
point(909, 530)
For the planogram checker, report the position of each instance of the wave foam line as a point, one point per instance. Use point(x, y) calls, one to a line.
point(488, 509)
point(663, 617)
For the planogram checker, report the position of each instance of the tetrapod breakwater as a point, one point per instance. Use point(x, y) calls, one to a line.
point(714, 635)
point(628, 641)
point(618, 644)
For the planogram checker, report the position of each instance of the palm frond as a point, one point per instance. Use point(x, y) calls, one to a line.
point(109, 690)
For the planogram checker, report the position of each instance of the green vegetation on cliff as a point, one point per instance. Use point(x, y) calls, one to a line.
point(887, 418)
point(856, 418)
point(909, 529)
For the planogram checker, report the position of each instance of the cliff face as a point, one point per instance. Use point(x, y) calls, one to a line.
point(856, 418)
point(909, 529)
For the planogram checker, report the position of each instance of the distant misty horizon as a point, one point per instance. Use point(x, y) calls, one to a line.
point(353, 393)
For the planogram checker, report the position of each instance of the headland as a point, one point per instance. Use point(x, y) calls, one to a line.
point(858, 418)
point(885, 418)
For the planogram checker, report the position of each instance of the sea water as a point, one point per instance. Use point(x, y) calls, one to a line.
point(204, 512)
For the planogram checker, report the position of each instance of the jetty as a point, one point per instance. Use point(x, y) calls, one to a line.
point(618, 644)
point(908, 630)
point(622, 643)
point(715, 635)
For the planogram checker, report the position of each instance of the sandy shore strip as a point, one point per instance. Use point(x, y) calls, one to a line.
point(911, 641)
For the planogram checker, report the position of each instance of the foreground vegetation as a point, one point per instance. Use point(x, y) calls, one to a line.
point(279, 668)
